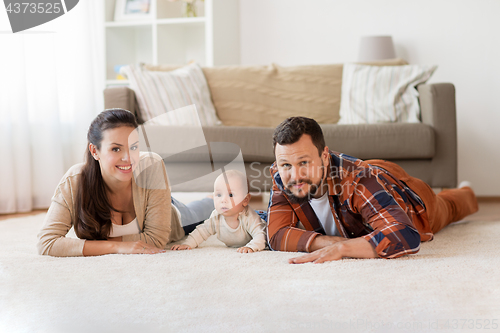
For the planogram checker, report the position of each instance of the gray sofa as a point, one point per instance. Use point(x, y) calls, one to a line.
point(427, 150)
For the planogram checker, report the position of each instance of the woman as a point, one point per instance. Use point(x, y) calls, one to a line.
point(118, 201)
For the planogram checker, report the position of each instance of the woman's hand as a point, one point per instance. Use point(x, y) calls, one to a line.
point(138, 247)
point(180, 247)
point(245, 249)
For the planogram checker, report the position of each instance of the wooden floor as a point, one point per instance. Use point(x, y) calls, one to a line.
point(10, 216)
point(489, 210)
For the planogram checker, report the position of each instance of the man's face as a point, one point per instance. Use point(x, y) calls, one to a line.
point(301, 168)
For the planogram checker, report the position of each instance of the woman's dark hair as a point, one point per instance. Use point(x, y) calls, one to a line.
point(292, 129)
point(92, 207)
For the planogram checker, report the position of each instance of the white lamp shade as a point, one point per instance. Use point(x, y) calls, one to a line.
point(373, 48)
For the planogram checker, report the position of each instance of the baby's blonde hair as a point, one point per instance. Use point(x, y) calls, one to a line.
point(235, 173)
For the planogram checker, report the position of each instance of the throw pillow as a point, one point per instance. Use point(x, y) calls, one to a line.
point(159, 93)
point(374, 94)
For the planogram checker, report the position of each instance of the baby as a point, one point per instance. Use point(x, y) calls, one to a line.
point(233, 221)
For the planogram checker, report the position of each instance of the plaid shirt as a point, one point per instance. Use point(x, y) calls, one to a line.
point(366, 201)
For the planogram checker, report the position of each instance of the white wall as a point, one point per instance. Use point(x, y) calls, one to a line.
point(462, 37)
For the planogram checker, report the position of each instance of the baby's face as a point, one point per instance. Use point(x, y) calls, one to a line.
point(231, 198)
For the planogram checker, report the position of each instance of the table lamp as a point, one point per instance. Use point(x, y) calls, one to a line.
point(373, 48)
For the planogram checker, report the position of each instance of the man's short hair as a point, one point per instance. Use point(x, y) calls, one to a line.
point(292, 129)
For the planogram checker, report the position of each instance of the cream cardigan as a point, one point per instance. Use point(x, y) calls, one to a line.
point(158, 222)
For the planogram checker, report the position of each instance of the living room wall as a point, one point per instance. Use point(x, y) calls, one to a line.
point(460, 36)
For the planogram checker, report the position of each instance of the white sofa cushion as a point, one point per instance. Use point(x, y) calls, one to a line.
point(160, 92)
point(381, 94)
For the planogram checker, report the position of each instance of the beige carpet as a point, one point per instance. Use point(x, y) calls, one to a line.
point(454, 278)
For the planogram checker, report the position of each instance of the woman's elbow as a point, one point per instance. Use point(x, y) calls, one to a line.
point(42, 247)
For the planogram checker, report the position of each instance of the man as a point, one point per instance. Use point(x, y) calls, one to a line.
point(336, 206)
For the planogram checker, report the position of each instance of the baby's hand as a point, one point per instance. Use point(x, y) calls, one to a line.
point(245, 249)
point(180, 247)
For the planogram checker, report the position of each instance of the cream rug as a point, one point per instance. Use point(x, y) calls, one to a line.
point(452, 284)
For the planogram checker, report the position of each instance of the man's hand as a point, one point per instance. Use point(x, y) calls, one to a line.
point(329, 253)
point(354, 248)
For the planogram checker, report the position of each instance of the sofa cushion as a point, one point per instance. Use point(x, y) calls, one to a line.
point(160, 92)
point(384, 141)
point(263, 96)
point(381, 94)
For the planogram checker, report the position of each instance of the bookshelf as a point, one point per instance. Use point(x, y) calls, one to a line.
point(210, 39)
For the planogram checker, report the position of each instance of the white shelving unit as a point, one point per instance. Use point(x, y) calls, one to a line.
point(210, 39)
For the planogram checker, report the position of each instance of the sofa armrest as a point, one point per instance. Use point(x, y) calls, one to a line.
point(120, 97)
point(438, 109)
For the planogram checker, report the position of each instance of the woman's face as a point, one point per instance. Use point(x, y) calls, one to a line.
point(118, 155)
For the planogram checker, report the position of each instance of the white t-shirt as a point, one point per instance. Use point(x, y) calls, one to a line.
point(324, 213)
point(130, 228)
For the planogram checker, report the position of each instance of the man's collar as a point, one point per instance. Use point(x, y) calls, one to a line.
point(332, 177)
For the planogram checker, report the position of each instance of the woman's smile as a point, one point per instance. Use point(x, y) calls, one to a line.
point(125, 168)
